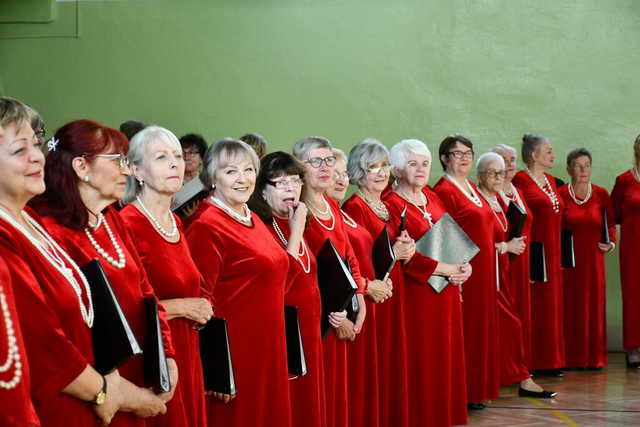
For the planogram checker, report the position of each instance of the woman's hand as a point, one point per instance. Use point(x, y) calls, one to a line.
point(141, 401)
point(173, 378)
point(107, 410)
point(297, 217)
point(345, 331)
point(606, 247)
point(516, 245)
point(379, 291)
point(337, 317)
point(362, 314)
point(226, 398)
point(404, 247)
point(463, 273)
point(196, 309)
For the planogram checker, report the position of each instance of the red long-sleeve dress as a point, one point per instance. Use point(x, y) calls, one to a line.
point(389, 324)
point(479, 307)
point(246, 272)
point(130, 284)
point(16, 408)
point(547, 302)
point(585, 286)
point(625, 197)
point(435, 343)
point(307, 392)
point(173, 274)
point(334, 351)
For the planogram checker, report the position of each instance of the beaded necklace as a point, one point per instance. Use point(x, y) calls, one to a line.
point(242, 219)
point(122, 260)
point(575, 199)
point(304, 251)
point(546, 189)
point(495, 208)
point(156, 223)
point(13, 351)
point(422, 207)
point(315, 212)
point(378, 208)
point(471, 194)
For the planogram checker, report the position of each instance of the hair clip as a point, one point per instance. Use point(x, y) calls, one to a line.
point(52, 144)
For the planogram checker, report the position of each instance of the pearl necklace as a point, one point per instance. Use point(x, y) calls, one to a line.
point(495, 207)
point(422, 207)
point(58, 258)
point(242, 219)
point(378, 208)
point(471, 194)
point(546, 189)
point(122, 260)
point(515, 197)
point(13, 352)
point(348, 220)
point(575, 199)
point(303, 247)
point(315, 212)
point(156, 224)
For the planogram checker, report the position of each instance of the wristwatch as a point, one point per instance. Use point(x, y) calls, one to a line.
point(102, 394)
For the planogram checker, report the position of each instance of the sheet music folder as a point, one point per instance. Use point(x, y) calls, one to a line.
point(295, 349)
point(192, 191)
point(382, 254)
point(446, 242)
point(604, 233)
point(538, 264)
point(567, 255)
point(215, 354)
point(156, 371)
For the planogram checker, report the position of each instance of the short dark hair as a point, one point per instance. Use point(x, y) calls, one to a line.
point(257, 142)
point(530, 144)
point(131, 127)
point(448, 143)
point(578, 152)
point(194, 140)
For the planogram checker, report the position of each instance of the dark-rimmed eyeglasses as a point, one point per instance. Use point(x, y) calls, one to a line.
point(495, 174)
point(461, 154)
point(283, 184)
point(316, 162)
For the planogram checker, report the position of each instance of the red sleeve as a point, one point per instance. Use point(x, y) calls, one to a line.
point(420, 267)
point(205, 248)
point(606, 202)
point(355, 267)
point(617, 199)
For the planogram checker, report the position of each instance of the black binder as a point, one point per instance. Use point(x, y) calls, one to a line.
point(337, 286)
point(156, 371)
point(604, 234)
point(215, 354)
point(295, 350)
point(568, 257)
point(403, 220)
point(382, 254)
point(538, 267)
point(192, 191)
point(516, 217)
point(113, 340)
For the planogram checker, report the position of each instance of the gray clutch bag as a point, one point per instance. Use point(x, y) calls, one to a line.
point(446, 242)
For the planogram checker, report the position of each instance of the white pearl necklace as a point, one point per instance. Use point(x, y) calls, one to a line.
point(58, 258)
point(515, 197)
point(422, 207)
point(348, 220)
point(157, 225)
point(122, 260)
point(495, 208)
point(546, 189)
point(303, 247)
point(242, 219)
point(378, 207)
point(13, 352)
point(327, 210)
point(575, 199)
point(471, 194)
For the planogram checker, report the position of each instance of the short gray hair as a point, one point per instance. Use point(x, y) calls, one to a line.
point(485, 159)
point(12, 112)
point(530, 144)
point(363, 154)
point(138, 150)
point(220, 154)
point(401, 151)
point(339, 154)
point(302, 147)
point(504, 147)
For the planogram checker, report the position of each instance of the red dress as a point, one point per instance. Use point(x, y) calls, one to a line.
point(130, 285)
point(626, 205)
point(246, 270)
point(546, 297)
point(334, 351)
point(435, 343)
point(16, 408)
point(479, 307)
point(307, 392)
point(585, 286)
point(389, 324)
point(173, 274)
point(57, 341)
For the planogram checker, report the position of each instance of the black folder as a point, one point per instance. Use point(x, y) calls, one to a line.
point(215, 354)
point(382, 255)
point(604, 234)
point(113, 340)
point(516, 217)
point(192, 191)
point(295, 350)
point(568, 257)
point(403, 220)
point(337, 286)
point(156, 371)
point(538, 267)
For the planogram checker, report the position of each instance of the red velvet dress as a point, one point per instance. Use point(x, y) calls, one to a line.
point(130, 285)
point(57, 341)
point(334, 351)
point(307, 392)
point(626, 205)
point(389, 324)
point(16, 408)
point(518, 285)
point(546, 297)
point(585, 286)
point(173, 274)
point(435, 343)
point(246, 272)
point(479, 307)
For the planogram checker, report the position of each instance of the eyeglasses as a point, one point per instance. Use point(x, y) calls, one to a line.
point(286, 183)
point(581, 167)
point(316, 162)
point(495, 174)
point(40, 133)
point(340, 175)
point(461, 154)
point(190, 153)
point(123, 161)
point(376, 170)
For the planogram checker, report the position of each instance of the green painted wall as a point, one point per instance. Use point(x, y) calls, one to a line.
point(490, 69)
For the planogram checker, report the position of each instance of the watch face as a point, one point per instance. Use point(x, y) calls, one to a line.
point(100, 398)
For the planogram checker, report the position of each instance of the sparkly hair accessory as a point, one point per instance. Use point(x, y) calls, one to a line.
point(52, 144)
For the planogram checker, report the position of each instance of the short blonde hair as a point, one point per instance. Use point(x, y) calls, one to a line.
point(221, 153)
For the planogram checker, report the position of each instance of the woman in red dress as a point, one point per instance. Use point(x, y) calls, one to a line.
point(625, 197)
point(513, 365)
point(246, 272)
point(539, 191)
point(585, 286)
point(436, 379)
point(317, 156)
point(157, 168)
point(85, 174)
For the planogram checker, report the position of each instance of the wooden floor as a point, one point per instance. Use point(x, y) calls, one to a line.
point(610, 397)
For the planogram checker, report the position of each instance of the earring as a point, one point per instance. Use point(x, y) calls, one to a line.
point(141, 182)
point(213, 186)
point(86, 178)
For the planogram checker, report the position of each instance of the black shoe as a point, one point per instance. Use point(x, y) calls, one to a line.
point(548, 373)
point(594, 368)
point(634, 365)
point(476, 406)
point(544, 394)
